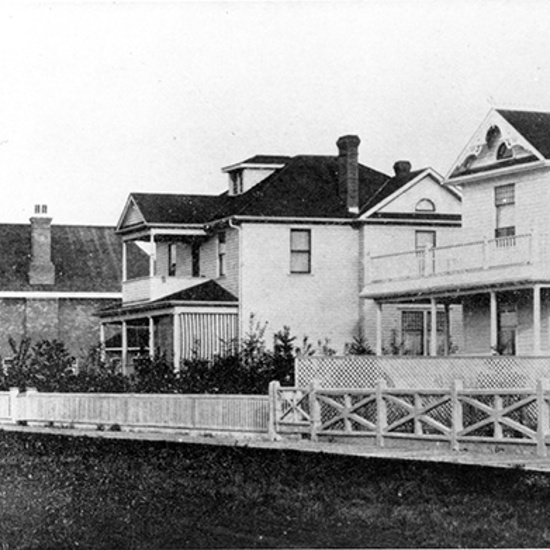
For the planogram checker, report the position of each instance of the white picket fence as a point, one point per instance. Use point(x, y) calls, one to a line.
point(203, 413)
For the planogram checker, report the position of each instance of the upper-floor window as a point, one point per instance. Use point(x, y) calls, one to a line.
point(425, 205)
point(300, 251)
point(236, 178)
point(505, 210)
point(196, 259)
point(172, 259)
point(221, 254)
point(424, 239)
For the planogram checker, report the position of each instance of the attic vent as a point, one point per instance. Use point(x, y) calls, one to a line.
point(40, 208)
point(425, 205)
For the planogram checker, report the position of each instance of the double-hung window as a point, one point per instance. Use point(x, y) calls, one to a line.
point(172, 259)
point(505, 211)
point(221, 254)
point(300, 251)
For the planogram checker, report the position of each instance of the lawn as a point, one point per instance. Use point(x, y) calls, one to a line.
point(62, 492)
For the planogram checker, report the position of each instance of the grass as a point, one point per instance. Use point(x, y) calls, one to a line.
point(61, 492)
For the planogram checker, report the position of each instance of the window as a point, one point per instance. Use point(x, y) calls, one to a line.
point(424, 239)
point(221, 254)
point(300, 251)
point(505, 211)
point(416, 332)
point(507, 326)
point(424, 242)
point(196, 259)
point(172, 259)
point(425, 205)
point(236, 178)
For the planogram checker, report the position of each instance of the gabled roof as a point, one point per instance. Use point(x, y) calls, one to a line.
point(533, 126)
point(306, 187)
point(86, 259)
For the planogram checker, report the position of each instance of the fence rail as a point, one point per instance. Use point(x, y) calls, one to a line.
point(456, 416)
point(220, 413)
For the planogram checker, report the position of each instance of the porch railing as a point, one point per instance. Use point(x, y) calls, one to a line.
point(462, 257)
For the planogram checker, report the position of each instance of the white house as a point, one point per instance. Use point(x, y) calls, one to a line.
point(286, 243)
point(498, 267)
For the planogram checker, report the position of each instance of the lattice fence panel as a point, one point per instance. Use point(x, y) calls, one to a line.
point(363, 371)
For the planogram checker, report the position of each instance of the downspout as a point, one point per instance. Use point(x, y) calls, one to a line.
point(232, 224)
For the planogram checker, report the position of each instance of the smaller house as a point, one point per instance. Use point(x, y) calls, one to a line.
point(53, 279)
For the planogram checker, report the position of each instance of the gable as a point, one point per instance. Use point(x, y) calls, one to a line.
point(413, 199)
point(131, 215)
point(496, 144)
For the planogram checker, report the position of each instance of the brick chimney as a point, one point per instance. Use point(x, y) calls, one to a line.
point(348, 171)
point(402, 168)
point(42, 270)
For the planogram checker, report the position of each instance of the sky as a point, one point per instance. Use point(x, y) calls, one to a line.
point(102, 99)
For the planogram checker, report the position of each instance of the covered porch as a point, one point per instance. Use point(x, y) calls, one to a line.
point(200, 322)
point(497, 320)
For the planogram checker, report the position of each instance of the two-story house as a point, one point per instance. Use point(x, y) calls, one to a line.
point(499, 267)
point(286, 243)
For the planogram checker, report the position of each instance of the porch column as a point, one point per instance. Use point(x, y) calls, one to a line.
point(447, 342)
point(378, 349)
point(433, 328)
point(124, 261)
point(124, 356)
point(493, 321)
point(102, 353)
point(152, 255)
point(536, 320)
point(151, 337)
point(176, 343)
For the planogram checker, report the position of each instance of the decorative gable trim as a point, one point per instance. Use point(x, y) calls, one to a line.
point(131, 215)
point(496, 144)
point(428, 172)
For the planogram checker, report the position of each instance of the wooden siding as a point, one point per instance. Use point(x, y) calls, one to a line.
point(209, 261)
point(321, 304)
point(532, 203)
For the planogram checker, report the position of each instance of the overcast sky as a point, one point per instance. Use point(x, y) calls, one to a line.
point(101, 99)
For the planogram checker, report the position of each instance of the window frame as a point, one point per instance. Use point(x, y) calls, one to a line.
point(172, 259)
point(305, 252)
point(505, 201)
point(222, 251)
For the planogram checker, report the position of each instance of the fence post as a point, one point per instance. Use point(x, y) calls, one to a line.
point(314, 409)
point(543, 409)
point(381, 413)
point(456, 414)
point(274, 409)
point(14, 413)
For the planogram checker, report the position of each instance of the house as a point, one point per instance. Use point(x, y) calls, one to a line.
point(53, 278)
point(498, 268)
point(286, 244)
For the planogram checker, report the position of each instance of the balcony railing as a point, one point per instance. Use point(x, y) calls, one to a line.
point(146, 289)
point(479, 255)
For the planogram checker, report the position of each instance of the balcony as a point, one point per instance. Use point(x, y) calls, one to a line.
point(148, 289)
point(507, 260)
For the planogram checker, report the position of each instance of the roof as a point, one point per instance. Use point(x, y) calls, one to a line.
point(266, 159)
point(533, 126)
point(209, 291)
point(306, 187)
point(86, 258)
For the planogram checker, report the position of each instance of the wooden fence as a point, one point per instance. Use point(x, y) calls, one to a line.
point(504, 419)
point(204, 413)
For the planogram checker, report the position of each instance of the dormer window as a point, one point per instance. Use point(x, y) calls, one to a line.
point(425, 205)
point(236, 179)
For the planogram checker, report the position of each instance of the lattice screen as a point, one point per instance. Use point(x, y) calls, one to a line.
point(363, 371)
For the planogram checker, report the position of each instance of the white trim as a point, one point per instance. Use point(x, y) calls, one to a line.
point(498, 172)
point(252, 165)
point(75, 295)
point(130, 201)
point(493, 116)
point(438, 180)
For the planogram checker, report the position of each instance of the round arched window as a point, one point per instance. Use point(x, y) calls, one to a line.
point(425, 205)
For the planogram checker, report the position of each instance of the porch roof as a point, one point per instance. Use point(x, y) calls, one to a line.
point(208, 293)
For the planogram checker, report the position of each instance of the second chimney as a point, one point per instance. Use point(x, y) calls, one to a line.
point(402, 168)
point(42, 270)
point(348, 171)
